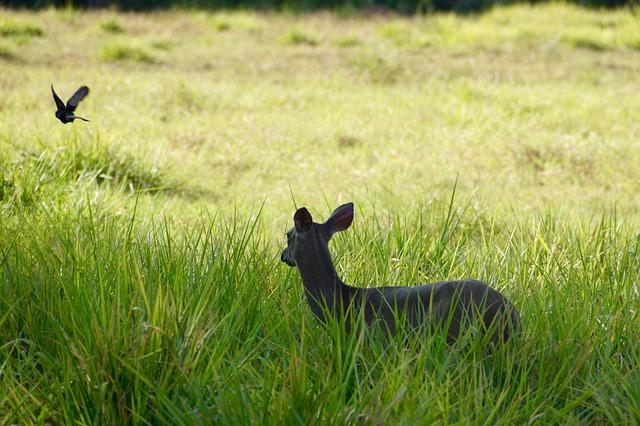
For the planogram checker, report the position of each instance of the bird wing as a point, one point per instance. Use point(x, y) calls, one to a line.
point(74, 100)
point(59, 103)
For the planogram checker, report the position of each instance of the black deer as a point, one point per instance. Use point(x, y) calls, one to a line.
point(454, 304)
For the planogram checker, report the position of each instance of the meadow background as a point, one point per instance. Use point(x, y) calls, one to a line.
point(140, 279)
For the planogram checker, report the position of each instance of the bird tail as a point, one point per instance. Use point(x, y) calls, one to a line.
point(81, 118)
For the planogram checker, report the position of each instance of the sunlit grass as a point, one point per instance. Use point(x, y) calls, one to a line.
point(5, 51)
point(140, 278)
point(119, 51)
point(112, 25)
point(298, 37)
point(18, 28)
point(532, 107)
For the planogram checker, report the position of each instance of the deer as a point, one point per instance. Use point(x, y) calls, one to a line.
point(456, 305)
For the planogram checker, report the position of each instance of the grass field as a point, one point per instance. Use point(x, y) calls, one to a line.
point(140, 279)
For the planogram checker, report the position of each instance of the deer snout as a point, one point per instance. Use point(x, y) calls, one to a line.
point(286, 258)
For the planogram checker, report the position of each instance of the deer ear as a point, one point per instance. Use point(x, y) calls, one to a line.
point(340, 219)
point(302, 220)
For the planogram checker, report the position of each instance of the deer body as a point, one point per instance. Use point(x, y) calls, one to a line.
point(455, 304)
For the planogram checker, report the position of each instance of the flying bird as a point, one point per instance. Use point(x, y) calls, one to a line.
point(65, 113)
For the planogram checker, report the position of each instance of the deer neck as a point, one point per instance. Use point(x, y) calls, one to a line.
point(321, 282)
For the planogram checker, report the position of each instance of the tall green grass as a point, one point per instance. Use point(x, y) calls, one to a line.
point(37, 175)
point(107, 319)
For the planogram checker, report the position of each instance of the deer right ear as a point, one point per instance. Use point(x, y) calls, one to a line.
point(340, 219)
point(302, 220)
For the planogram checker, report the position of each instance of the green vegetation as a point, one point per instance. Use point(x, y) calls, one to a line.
point(112, 25)
point(15, 33)
point(107, 321)
point(15, 28)
point(347, 41)
point(140, 279)
point(41, 173)
point(298, 37)
point(119, 51)
point(222, 24)
point(5, 51)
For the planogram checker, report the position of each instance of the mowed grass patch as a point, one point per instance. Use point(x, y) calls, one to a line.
point(158, 322)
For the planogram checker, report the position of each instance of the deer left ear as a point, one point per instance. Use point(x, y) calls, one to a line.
point(302, 220)
point(340, 219)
